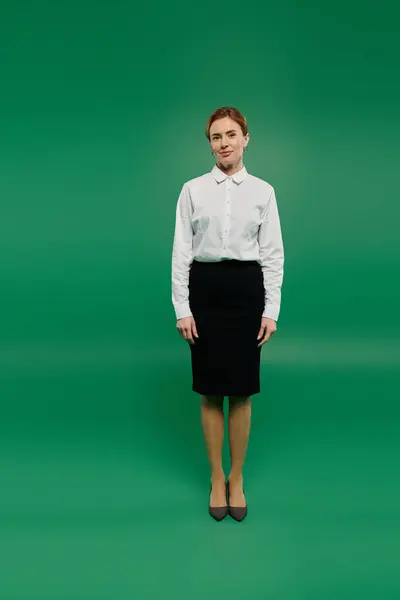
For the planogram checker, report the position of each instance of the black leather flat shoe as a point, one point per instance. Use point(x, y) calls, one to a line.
point(217, 512)
point(236, 512)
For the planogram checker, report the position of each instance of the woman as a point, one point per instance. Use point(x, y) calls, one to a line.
point(227, 272)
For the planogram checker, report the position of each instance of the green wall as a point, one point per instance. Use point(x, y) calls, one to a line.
point(104, 477)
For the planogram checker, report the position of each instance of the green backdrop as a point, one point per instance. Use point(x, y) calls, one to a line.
point(104, 477)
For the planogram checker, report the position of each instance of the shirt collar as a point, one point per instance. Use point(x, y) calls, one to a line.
point(220, 176)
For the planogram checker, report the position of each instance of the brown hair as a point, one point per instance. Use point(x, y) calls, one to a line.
point(227, 111)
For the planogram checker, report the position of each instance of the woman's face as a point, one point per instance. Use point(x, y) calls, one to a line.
point(227, 142)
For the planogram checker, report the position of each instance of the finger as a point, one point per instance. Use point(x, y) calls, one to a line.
point(184, 332)
point(189, 336)
point(266, 337)
point(261, 332)
point(194, 329)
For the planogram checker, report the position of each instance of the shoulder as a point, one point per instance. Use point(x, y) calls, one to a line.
point(259, 184)
point(198, 182)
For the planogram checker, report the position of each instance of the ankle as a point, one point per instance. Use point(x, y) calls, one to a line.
point(236, 478)
point(217, 476)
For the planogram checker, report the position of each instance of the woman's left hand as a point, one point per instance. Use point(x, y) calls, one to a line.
point(267, 329)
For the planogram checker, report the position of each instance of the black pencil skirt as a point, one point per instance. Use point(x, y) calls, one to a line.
point(227, 301)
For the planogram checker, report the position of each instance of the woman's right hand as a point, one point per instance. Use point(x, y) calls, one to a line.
point(187, 329)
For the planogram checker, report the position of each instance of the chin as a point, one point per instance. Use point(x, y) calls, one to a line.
point(229, 164)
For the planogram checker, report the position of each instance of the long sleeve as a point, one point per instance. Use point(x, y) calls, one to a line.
point(272, 258)
point(182, 255)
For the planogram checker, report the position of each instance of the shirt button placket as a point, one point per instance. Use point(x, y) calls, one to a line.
point(227, 209)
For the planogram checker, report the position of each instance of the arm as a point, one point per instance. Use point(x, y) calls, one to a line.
point(182, 255)
point(272, 258)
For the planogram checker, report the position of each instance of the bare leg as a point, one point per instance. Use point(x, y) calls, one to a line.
point(239, 431)
point(212, 417)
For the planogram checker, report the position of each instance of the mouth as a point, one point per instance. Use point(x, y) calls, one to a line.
point(225, 153)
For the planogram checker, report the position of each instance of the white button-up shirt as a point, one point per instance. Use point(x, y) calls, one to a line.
point(221, 217)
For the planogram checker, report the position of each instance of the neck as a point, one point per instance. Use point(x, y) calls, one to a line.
point(231, 169)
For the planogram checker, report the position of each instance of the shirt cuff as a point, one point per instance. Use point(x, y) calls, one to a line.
point(271, 311)
point(182, 310)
